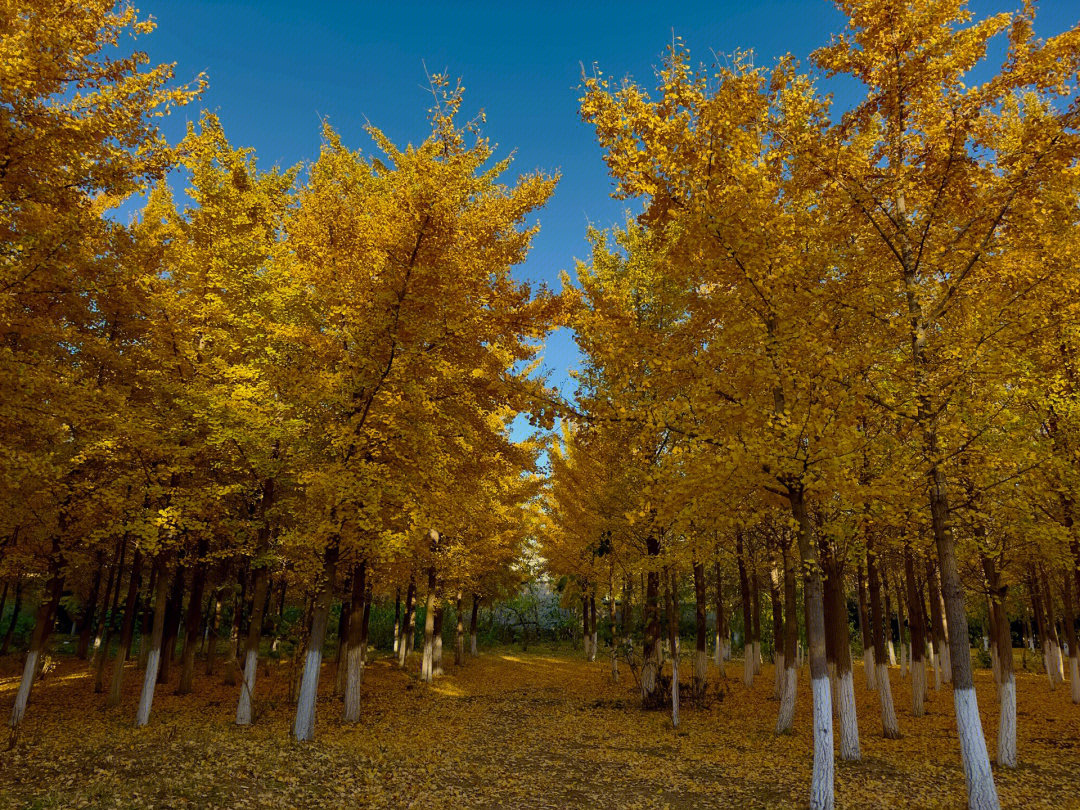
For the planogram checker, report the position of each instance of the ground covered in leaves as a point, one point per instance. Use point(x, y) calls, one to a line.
point(508, 729)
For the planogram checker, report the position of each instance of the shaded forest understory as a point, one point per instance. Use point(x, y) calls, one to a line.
point(508, 729)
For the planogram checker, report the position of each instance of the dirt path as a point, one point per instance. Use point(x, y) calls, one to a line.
point(506, 730)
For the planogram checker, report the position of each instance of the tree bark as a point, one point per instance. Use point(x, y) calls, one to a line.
point(867, 637)
point(1006, 753)
point(744, 587)
point(354, 655)
point(86, 622)
point(409, 623)
point(822, 793)
point(304, 724)
point(251, 648)
point(192, 625)
point(918, 637)
point(427, 667)
point(791, 634)
point(473, 629)
point(14, 616)
point(459, 633)
point(701, 654)
point(127, 629)
point(154, 648)
point(890, 729)
point(43, 623)
point(673, 633)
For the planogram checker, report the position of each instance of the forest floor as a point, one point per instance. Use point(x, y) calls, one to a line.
point(508, 730)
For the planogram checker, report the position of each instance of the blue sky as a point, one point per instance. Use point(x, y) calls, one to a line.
point(275, 68)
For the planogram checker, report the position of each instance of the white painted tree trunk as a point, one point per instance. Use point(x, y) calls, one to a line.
point(778, 676)
point(982, 795)
point(748, 665)
point(868, 667)
point(247, 688)
point(22, 697)
point(946, 663)
point(1006, 753)
point(849, 719)
point(903, 660)
point(304, 724)
point(786, 717)
point(891, 650)
point(146, 698)
point(889, 726)
point(821, 780)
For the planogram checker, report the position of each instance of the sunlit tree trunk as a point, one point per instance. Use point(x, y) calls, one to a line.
point(822, 795)
point(304, 724)
point(427, 669)
point(154, 648)
point(43, 623)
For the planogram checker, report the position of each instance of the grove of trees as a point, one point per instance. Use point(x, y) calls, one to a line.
point(833, 358)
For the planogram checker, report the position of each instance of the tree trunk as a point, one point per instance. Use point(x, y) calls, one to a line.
point(212, 632)
point(592, 623)
point(889, 726)
point(408, 624)
point(397, 619)
point(239, 599)
point(1070, 637)
point(822, 795)
point(1052, 641)
point(937, 624)
point(127, 629)
point(436, 653)
point(104, 633)
point(100, 649)
point(1006, 754)
point(344, 616)
point(43, 623)
point(14, 616)
point(251, 647)
point(845, 685)
point(778, 632)
point(146, 627)
point(744, 587)
point(650, 664)
point(918, 637)
point(192, 624)
point(673, 633)
point(701, 654)
point(791, 634)
point(867, 637)
point(459, 633)
point(154, 648)
point(719, 652)
point(354, 655)
point(172, 624)
point(304, 725)
point(427, 667)
point(473, 650)
point(86, 622)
